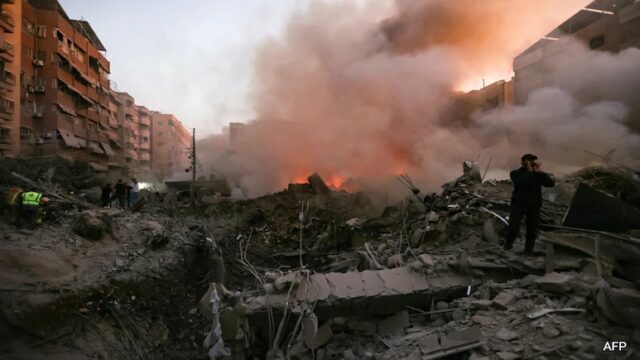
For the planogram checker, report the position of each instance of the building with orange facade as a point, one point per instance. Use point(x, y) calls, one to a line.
point(170, 144)
point(57, 100)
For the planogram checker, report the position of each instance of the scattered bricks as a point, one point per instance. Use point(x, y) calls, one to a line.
point(394, 323)
point(550, 331)
point(504, 299)
point(506, 334)
point(394, 261)
point(555, 282)
point(481, 304)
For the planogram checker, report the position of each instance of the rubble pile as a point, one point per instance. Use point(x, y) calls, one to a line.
point(429, 279)
point(318, 273)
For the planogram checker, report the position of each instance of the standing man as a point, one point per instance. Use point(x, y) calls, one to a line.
point(526, 200)
point(106, 196)
point(120, 193)
point(135, 192)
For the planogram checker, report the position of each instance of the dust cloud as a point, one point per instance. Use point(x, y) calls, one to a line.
point(354, 94)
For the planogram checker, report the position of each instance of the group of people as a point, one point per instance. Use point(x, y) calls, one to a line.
point(126, 194)
point(25, 207)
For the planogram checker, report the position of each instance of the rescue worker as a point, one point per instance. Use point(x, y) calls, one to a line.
point(13, 203)
point(526, 200)
point(31, 208)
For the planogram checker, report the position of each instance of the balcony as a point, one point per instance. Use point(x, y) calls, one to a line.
point(6, 51)
point(7, 81)
point(6, 106)
point(6, 140)
point(6, 21)
point(144, 121)
point(144, 156)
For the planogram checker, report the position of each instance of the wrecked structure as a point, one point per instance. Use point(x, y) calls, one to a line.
point(311, 272)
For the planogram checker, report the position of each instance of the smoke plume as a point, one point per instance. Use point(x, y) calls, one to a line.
point(349, 96)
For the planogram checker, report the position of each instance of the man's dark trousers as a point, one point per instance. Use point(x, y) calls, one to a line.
point(532, 215)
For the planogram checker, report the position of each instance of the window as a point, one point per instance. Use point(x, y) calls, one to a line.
point(25, 133)
point(596, 42)
point(42, 31)
point(27, 26)
point(59, 35)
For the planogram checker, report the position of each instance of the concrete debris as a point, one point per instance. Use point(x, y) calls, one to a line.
point(323, 274)
point(621, 306)
point(394, 323)
point(432, 217)
point(594, 210)
point(506, 334)
point(550, 331)
point(93, 224)
point(555, 282)
point(507, 355)
point(504, 299)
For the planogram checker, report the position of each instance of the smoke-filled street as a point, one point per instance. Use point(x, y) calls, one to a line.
point(332, 179)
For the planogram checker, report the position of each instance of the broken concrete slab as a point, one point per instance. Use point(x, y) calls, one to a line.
point(591, 209)
point(365, 293)
point(555, 282)
point(504, 299)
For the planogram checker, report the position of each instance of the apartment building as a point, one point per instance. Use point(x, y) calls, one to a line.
point(144, 139)
point(131, 130)
point(606, 25)
point(57, 99)
point(170, 144)
point(55, 85)
point(10, 57)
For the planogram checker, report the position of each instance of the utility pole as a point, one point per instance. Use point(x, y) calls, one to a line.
point(193, 169)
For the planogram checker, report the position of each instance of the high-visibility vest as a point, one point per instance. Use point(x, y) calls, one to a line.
point(31, 198)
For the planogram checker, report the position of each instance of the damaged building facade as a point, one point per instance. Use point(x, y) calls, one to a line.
point(57, 96)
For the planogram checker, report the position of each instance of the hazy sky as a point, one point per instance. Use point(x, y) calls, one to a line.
point(192, 58)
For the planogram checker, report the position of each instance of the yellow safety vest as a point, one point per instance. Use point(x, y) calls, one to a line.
point(31, 198)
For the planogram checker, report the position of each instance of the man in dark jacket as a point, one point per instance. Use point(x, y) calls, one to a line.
point(120, 193)
point(526, 200)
